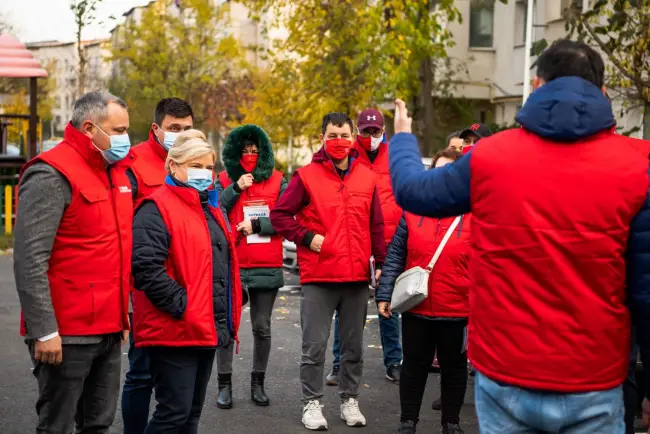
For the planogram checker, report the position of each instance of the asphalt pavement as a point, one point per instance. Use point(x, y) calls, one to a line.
point(379, 399)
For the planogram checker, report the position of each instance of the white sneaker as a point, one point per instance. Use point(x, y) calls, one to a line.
point(312, 416)
point(351, 414)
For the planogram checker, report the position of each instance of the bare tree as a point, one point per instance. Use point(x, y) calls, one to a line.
point(84, 14)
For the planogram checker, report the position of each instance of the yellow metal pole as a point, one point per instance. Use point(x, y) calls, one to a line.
point(8, 209)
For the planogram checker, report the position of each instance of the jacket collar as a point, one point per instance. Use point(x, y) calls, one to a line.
point(84, 146)
point(363, 154)
point(157, 148)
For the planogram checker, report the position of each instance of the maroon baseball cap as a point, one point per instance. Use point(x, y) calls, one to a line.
point(370, 118)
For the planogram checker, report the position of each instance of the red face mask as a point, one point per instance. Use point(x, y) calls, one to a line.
point(467, 149)
point(338, 149)
point(364, 142)
point(249, 162)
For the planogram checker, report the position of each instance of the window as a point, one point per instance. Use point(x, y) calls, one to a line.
point(481, 24)
point(567, 5)
point(521, 21)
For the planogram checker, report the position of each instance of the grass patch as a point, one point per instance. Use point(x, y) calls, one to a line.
point(6, 241)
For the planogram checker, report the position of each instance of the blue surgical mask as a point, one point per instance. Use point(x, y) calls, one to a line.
point(201, 179)
point(169, 139)
point(120, 145)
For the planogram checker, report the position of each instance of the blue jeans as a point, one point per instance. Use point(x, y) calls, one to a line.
point(136, 394)
point(504, 409)
point(390, 342)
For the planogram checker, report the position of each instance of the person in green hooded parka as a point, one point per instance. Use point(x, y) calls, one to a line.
point(248, 189)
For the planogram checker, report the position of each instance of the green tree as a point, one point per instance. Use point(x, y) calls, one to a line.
point(619, 29)
point(177, 52)
point(345, 55)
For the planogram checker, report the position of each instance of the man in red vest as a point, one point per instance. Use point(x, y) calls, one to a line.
point(338, 225)
point(373, 152)
point(72, 264)
point(172, 116)
point(561, 213)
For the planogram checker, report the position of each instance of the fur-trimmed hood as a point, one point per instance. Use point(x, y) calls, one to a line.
point(232, 150)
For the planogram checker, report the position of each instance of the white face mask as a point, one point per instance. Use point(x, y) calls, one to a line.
point(170, 138)
point(201, 179)
point(375, 142)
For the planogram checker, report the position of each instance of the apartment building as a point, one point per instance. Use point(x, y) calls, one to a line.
point(490, 42)
point(63, 58)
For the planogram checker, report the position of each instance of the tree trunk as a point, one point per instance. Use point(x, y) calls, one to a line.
point(426, 103)
point(81, 79)
point(646, 120)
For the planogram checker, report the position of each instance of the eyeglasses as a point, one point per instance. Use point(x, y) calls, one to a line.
point(376, 133)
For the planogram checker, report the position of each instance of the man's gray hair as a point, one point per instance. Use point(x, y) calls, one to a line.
point(93, 106)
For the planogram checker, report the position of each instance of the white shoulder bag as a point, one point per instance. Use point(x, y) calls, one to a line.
point(412, 286)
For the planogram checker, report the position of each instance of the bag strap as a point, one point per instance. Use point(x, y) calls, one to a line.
point(443, 243)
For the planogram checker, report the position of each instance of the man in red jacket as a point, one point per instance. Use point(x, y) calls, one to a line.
point(373, 152)
point(338, 225)
point(172, 116)
point(560, 216)
point(72, 263)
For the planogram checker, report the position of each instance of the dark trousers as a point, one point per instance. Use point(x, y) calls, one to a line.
point(180, 377)
point(420, 337)
point(87, 383)
point(136, 394)
point(262, 301)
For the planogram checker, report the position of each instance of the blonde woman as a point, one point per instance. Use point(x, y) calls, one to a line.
point(189, 297)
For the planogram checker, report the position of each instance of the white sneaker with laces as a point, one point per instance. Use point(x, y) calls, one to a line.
point(312, 416)
point(351, 414)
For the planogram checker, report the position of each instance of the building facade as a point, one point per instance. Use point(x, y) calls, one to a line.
point(63, 59)
point(490, 43)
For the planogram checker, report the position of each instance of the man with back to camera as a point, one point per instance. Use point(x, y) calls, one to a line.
point(72, 264)
point(172, 116)
point(373, 152)
point(561, 218)
point(338, 225)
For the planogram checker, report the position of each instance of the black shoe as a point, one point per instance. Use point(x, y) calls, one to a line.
point(393, 373)
point(407, 427)
point(452, 428)
point(224, 398)
point(333, 378)
point(437, 404)
point(258, 396)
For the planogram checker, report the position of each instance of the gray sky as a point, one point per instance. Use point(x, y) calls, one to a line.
point(40, 20)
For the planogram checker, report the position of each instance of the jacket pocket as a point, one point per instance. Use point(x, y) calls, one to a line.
point(72, 301)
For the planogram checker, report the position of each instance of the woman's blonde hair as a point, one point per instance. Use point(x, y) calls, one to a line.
point(189, 145)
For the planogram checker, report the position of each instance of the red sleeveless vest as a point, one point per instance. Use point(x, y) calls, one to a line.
point(190, 264)
point(449, 281)
point(148, 167)
point(389, 209)
point(339, 210)
point(550, 227)
point(90, 266)
point(258, 255)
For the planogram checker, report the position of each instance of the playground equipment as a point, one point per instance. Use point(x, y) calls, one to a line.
point(17, 62)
